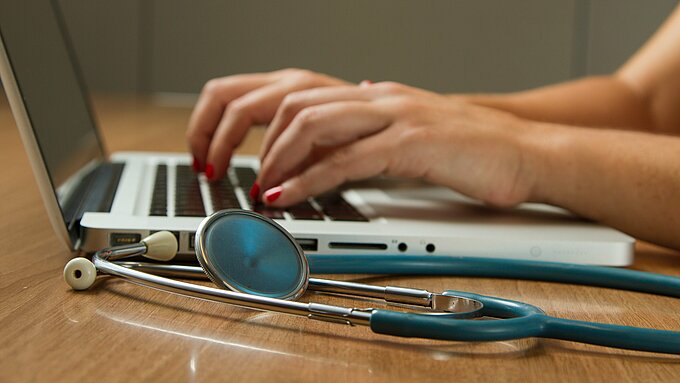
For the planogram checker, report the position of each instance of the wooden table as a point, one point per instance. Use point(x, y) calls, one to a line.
point(122, 332)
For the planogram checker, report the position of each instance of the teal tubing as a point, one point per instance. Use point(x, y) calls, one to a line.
point(522, 321)
point(621, 279)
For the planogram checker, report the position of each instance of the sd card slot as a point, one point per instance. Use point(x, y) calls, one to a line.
point(357, 246)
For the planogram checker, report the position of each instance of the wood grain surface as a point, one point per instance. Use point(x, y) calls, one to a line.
point(125, 333)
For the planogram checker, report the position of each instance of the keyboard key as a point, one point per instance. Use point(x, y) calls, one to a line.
point(270, 212)
point(337, 209)
point(246, 178)
point(188, 198)
point(223, 196)
point(190, 213)
point(305, 211)
point(159, 199)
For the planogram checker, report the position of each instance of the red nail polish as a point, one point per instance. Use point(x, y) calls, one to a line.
point(272, 194)
point(196, 165)
point(209, 171)
point(366, 83)
point(254, 192)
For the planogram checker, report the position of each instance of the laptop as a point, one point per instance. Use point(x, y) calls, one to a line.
point(95, 200)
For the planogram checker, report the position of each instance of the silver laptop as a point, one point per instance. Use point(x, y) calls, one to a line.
point(94, 200)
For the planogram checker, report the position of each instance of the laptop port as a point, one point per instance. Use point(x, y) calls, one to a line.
point(192, 241)
point(308, 244)
point(357, 246)
point(118, 239)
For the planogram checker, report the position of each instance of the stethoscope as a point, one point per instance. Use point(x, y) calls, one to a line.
point(257, 264)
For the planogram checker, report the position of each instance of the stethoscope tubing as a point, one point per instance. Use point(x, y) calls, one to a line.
point(587, 275)
point(534, 325)
point(522, 320)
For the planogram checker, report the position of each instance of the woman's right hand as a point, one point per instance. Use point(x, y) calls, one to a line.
point(229, 106)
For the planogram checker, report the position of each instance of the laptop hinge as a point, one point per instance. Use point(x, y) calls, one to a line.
point(95, 193)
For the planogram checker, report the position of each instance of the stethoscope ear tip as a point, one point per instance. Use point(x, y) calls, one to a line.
point(160, 246)
point(80, 273)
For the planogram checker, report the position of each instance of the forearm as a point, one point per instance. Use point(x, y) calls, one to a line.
point(605, 101)
point(628, 180)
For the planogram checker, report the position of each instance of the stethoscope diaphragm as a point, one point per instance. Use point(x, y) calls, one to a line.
point(247, 252)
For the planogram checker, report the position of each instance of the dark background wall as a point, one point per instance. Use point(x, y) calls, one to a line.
point(174, 46)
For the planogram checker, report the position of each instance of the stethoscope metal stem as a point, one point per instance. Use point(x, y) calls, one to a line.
point(120, 252)
point(393, 294)
point(334, 314)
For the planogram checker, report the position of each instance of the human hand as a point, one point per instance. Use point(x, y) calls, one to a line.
point(321, 138)
point(229, 106)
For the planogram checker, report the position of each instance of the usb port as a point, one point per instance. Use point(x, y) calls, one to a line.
point(192, 241)
point(308, 244)
point(118, 239)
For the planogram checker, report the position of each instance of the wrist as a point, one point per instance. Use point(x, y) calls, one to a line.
point(546, 157)
point(499, 101)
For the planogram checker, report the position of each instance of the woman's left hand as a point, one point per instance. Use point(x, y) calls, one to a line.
point(321, 138)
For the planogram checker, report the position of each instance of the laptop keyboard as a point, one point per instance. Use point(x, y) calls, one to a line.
point(189, 201)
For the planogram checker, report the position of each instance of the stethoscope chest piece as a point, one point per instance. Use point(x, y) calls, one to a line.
point(246, 252)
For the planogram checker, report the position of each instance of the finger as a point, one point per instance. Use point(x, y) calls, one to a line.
point(256, 107)
point(293, 103)
point(326, 125)
point(363, 159)
point(207, 113)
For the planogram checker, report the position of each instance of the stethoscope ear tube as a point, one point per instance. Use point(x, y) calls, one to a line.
point(533, 325)
point(610, 335)
point(522, 320)
point(519, 321)
point(412, 325)
point(587, 275)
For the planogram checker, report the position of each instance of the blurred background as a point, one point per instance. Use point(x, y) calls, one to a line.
point(174, 46)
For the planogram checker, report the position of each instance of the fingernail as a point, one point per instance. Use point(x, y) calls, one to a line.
point(366, 83)
point(196, 165)
point(254, 191)
point(209, 171)
point(272, 194)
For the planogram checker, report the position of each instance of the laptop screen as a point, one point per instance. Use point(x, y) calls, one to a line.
point(42, 62)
